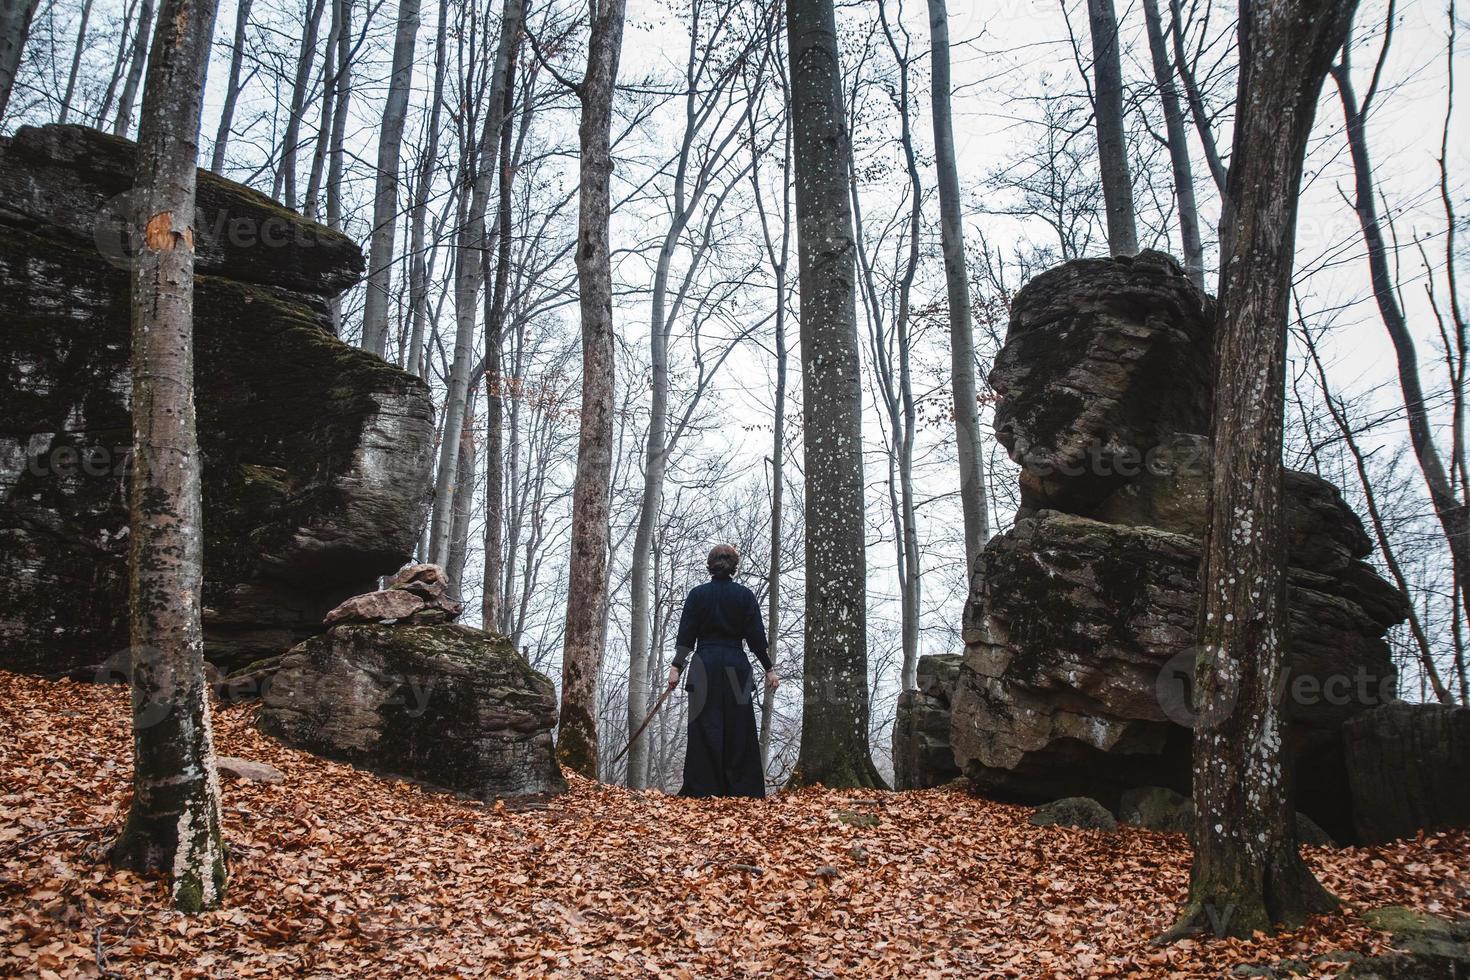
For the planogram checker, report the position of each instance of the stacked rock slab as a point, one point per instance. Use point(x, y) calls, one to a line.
point(1081, 617)
point(446, 705)
point(922, 756)
point(315, 454)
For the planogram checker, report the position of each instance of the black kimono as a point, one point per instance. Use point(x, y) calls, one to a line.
point(723, 757)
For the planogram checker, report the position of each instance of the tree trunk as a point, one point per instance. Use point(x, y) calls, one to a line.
point(232, 88)
point(118, 64)
point(1453, 513)
point(477, 167)
point(1194, 255)
point(1112, 144)
point(284, 188)
point(385, 189)
point(585, 635)
point(464, 498)
point(173, 822)
point(973, 500)
point(834, 736)
point(76, 67)
point(336, 150)
point(124, 118)
point(1247, 873)
point(15, 27)
point(418, 277)
point(495, 300)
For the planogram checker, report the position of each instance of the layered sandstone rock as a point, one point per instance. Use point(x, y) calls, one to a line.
point(1080, 626)
point(316, 455)
point(447, 705)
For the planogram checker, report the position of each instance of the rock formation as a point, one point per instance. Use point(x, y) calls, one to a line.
point(418, 596)
point(922, 756)
point(1409, 768)
point(1080, 623)
point(447, 705)
point(316, 455)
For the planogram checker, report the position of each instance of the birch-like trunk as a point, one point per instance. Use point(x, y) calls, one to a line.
point(585, 633)
point(495, 300)
point(418, 276)
point(834, 734)
point(973, 499)
point(477, 169)
point(1452, 511)
point(1112, 144)
point(76, 67)
point(232, 88)
point(284, 186)
point(139, 58)
point(1248, 874)
point(385, 188)
point(337, 148)
point(15, 27)
point(1194, 254)
point(173, 822)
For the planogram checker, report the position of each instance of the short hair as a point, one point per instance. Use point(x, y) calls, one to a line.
point(723, 560)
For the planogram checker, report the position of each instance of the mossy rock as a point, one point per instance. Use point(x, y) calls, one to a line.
point(1074, 811)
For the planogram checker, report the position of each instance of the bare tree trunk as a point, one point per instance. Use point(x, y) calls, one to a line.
point(585, 636)
point(385, 190)
point(418, 277)
point(1112, 144)
point(76, 67)
point(1194, 253)
point(1453, 513)
point(973, 499)
point(15, 27)
point(118, 64)
point(232, 88)
point(1197, 105)
point(479, 157)
point(834, 735)
point(285, 181)
point(173, 822)
point(124, 118)
point(495, 300)
point(464, 498)
point(1248, 874)
point(336, 151)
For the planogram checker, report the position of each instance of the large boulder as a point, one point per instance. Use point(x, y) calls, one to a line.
point(922, 757)
point(1079, 631)
point(448, 705)
point(1104, 360)
point(316, 455)
point(1409, 767)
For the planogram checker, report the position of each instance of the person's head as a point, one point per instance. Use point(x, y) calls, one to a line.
point(723, 560)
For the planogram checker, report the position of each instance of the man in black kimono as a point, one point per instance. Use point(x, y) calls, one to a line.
point(723, 757)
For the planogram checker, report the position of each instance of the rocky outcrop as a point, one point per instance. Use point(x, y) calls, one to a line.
point(418, 595)
point(1080, 626)
point(316, 456)
point(447, 705)
point(1409, 768)
point(922, 757)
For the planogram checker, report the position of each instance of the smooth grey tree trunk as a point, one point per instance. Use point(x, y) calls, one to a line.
point(1194, 253)
point(285, 182)
point(385, 189)
point(973, 498)
point(232, 88)
point(124, 118)
point(15, 27)
point(119, 63)
point(418, 276)
point(1248, 874)
point(584, 636)
point(834, 734)
point(478, 170)
point(76, 66)
point(1196, 102)
point(1112, 143)
point(1453, 512)
point(173, 821)
point(337, 150)
point(495, 301)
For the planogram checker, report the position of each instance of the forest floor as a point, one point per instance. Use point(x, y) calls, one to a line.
point(339, 872)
